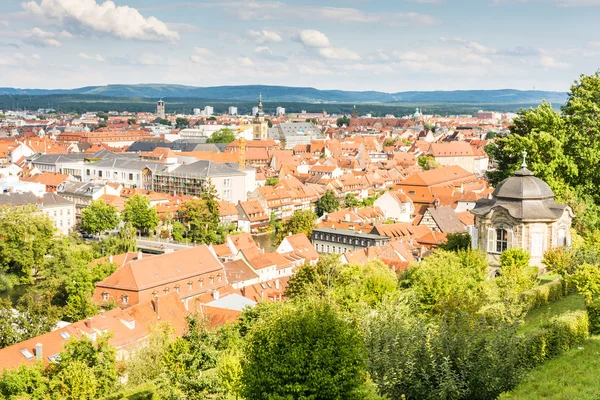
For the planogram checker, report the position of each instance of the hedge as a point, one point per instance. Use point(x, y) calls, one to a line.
point(559, 335)
point(593, 311)
point(545, 294)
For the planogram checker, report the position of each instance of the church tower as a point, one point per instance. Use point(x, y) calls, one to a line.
point(160, 109)
point(260, 126)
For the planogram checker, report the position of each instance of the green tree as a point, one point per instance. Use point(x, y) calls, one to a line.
point(343, 121)
point(272, 181)
point(587, 281)
point(178, 231)
point(351, 201)
point(224, 135)
point(139, 213)
point(428, 162)
point(301, 221)
point(229, 370)
point(99, 217)
point(144, 365)
point(25, 382)
point(202, 218)
point(124, 241)
point(491, 135)
point(163, 121)
point(26, 235)
point(319, 355)
point(457, 241)
point(447, 281)
point(181, 123)
point(328, 203)
point(75, 381)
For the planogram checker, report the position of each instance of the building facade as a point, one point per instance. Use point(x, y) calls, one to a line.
point(331, 240)
point(522, 214)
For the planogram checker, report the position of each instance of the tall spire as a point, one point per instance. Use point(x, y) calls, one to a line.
point(260, 106)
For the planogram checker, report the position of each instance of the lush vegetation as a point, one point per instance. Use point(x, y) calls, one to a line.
point(224, 135)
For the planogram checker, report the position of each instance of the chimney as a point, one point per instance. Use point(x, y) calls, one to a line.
point(277, 284)
point(88, 323)
point(243, 291)
point(216, 294)
point(139, 256)
point(38, 351)
point(110, 258)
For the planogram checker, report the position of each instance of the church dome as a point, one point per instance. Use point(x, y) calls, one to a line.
point(523, 186)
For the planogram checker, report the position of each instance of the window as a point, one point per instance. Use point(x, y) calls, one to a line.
point(562, 239)
point(100, 174)
point(177, 290)
point(130, 177)
point(501, 240)
point(65, 335)
point(87, 172)
point(537, 245)
point(227, 182)
point(190, 285)
point(166, 290)
point(212, 280)
point(105, 296)
point(27, 354)
point(201, 282)
point(54, 358)
point(124, 299)
point(226, 194)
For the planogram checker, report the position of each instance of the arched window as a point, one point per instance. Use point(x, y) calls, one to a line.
point(562, 237)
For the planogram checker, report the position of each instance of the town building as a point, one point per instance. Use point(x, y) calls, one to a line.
point(160, 109)
point(260, 127)
point(339, 241)
point(522, 213)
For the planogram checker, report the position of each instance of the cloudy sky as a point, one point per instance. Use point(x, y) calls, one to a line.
point(385, 45)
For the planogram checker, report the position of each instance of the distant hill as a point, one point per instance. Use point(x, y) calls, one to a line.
point(301, 94)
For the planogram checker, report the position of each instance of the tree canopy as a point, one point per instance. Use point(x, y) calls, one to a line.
point(140, 214)
point(328, 203)
point(224, 135)
point(99, 217)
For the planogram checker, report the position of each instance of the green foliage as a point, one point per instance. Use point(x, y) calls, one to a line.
point(272, 181)
point(587, 281)
point(447, 281)
point(516, 275)
point(343, 121)
point(143, 366)
point(301, 221)
point(542, 295)
point(427, 163)
point(124, 241)
point(328, 203)
point(351, 201)
point(26, 236)
point(181, 123)
point(457, 241)
point(491, 135)
point(593, 312)
point(99, 217)
point(202, 219)
point(178, 231)
point(319, 355)
point(164, 121)
point(25, 382)
point(34, 317)
point(458, 357)
point(139, 213)
point(224, 135)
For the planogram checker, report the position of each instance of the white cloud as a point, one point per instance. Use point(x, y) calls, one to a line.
point(264, 36)
point(245, 62)
point(202, 55)
point(89, 17)
point(339, 53)
point(87, 57)
point(40, 38)
point(20, 60)
point(410, 56)
point(549, 62)
point(313, 38)
point(379, 55)
point(263, 50)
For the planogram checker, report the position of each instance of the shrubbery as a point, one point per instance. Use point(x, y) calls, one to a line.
point(593, 312)
point(542, 295)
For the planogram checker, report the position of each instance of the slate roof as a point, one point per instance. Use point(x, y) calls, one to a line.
point(446, 219)
point(204, 168)
point(18, 199)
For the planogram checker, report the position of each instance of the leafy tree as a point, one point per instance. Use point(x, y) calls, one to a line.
point(25, 382)
point(516, 276)
point(99, 217)
point(272, 181)
point(457, 241)
point(139, 213)
point(26, 235)
point(328, 203)
point(229, 370)
point(343, 121)
point(587, 281)
point(131, 121)
point(491, 135)
point(181, 123)
point(34, 317)
point(178, 231)
point(164, 121)
point(428, 162)
point(224, 135)
point(85, 369)
point(301, 221)
point(351, 201)
point(447, 281)
point(143, 366)
point(390, 142)
point(319, 355)
point(124, 241)
point(202, 219)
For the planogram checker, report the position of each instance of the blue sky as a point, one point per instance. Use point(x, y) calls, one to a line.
point(385, 45)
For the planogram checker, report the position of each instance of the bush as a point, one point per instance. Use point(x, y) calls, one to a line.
point(559, 335)
point(542, 295)
point(593, 312)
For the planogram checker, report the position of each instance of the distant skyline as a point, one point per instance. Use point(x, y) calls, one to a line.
point(381, 45)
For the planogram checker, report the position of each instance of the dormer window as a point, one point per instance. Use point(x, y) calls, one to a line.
point(105, 296)
point(125, 299)
point(201, 280)
point(166, 290)
point(220, 276)
point(190, 285)
point(177, 289)
point(212, 280)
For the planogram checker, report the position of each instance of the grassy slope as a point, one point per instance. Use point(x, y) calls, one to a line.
point(541, 315)
point(574, 375)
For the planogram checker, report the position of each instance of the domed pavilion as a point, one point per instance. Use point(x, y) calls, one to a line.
point(522, 213)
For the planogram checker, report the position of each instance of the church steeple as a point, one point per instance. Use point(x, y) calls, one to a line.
point(260, 126)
